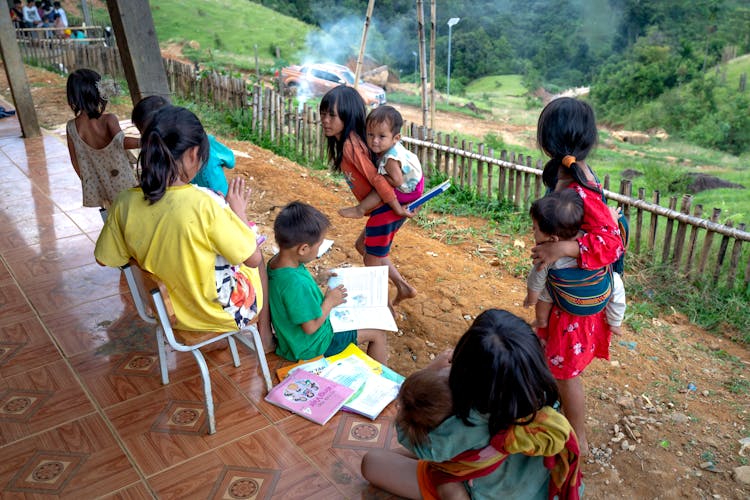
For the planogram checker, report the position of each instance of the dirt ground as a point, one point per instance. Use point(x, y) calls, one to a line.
point(665, 415)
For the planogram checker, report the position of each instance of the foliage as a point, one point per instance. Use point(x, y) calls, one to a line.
point(719, 310)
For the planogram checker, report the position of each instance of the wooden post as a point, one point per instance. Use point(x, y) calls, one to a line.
point(480, 169)
point(654, 222)
point(433, 23)
point(422, 59)
point(14, 71)
point(139, 48)
point(722, 253)
point(490, 166)
point(679, 240)
point(538, 181)
point(462, 171)
point(668, 231)
point(688, 270)
point(363, 43)
point(639, 221)
point(501, 176)
point(438, 153)
point(736, 251)
point(707, 240)
point(470, 166)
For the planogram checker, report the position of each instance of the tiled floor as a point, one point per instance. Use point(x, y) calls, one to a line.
point(83, 413)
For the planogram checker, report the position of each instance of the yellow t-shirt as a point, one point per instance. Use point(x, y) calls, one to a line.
point(181, 239)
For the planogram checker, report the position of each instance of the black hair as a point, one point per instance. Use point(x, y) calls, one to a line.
point(499, 369)
point(424, 401)
point(145, 107)
point(169, 133)
point(386, 114)
point(299, 223)
point(56, 5)
point(83, 93)
point(560, 213)
point(566, 127)
point(349, 106)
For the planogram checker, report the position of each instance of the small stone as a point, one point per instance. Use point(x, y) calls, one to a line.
point(625, 402)
point(678, 453)
point(742, 474)
point(432, 356)
point(625, 445)
point(679, 418)
point(705, 393)
point(467, 317)
point(707, 465)
point(614, 364)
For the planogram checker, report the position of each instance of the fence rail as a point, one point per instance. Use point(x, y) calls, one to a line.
point(696, 247)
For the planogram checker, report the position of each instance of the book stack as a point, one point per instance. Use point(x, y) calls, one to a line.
point(351, 380)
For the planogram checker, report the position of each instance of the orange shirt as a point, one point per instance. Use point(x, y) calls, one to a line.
point(361, 175)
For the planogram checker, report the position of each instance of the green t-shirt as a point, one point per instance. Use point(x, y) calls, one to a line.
point(295, 298)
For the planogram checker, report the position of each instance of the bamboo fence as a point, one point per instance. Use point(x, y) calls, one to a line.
point(695, 247)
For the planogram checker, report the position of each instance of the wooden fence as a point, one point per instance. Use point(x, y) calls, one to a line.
point(693, 246)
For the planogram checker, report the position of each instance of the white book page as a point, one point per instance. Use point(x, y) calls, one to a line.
point(366, 303)
point(379, 318)
point(365, 286)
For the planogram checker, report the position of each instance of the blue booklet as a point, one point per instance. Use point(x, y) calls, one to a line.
point(440, 188)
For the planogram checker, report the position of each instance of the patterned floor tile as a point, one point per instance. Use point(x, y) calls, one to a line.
point(25, 345)
point(79, 459)
point(167, 426)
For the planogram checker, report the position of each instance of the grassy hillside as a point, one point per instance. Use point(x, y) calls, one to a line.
point(227, 31)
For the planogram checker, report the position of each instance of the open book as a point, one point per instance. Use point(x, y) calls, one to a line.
point(366, 303)
point(440, 188)
point(372, 393)
point(310, 396)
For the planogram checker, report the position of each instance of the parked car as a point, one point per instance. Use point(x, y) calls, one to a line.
point(317, 79)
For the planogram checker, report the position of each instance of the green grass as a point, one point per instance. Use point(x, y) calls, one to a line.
point(227, 31)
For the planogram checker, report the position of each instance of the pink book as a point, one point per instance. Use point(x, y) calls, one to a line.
point(310, 396)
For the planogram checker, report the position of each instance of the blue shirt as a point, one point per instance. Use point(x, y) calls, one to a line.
point(211, 175)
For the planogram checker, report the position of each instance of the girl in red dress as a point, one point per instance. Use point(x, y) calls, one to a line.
point(567, 133)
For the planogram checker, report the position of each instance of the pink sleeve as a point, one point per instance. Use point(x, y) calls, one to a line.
point(601, 245)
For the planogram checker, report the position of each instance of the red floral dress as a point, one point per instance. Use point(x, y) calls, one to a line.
point(574, 341)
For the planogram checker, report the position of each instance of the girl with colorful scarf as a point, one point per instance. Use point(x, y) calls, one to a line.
point(502, 439)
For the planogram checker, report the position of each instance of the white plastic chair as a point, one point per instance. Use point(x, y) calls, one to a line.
point(187, 341)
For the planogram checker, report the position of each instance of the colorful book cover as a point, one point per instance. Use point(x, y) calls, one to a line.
point(310, 396)
point(366, 303)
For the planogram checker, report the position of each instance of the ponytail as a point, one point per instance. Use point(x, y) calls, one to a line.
point(168, 134)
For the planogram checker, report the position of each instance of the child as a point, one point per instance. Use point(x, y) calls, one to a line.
point(557, 217)
point(299, 311)
point(96, 143)
point(342, 115)
point(503, 439)
point(567, 133)
point(424, 402)
point(211, 175)
point(399, 166)
point(203, 250)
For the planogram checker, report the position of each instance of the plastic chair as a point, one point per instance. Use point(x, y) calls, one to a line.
point(185, 341)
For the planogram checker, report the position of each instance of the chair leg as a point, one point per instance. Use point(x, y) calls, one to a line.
point(233, 349)
point(162, 350)
point(262, 359)
point(257, 346)
point(206, 390)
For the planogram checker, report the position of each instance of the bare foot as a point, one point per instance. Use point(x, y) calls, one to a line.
point(584, 448)
point(352, 212)
point(404, 291)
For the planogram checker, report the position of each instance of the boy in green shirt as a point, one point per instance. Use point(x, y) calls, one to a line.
point(299, 310)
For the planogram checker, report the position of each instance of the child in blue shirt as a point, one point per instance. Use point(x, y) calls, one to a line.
point(211, 174)
point(299, 310)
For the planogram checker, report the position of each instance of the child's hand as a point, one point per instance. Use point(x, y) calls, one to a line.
point(238, 196)
point(616, 330)
point(405, 212)
point(336, 296)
